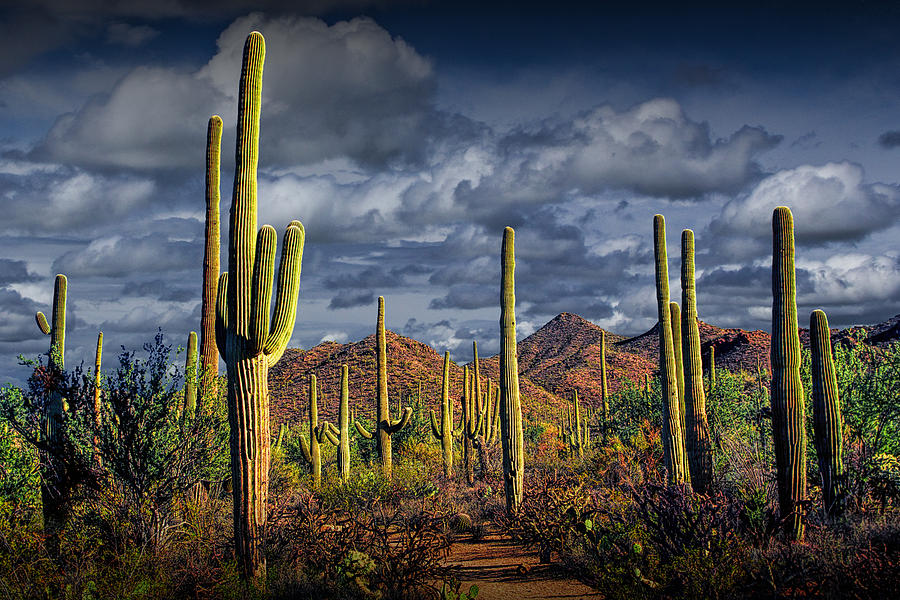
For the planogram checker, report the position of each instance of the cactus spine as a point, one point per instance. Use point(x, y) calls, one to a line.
point(788, 412)
point(827, 420)
point(209, 357)
point(697, 427)
point(445, 432)
point(511, 436)
point(244, 335)
point(672, 432)
point(384, 426)
point(54, 489)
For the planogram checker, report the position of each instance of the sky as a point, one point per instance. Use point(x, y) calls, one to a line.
point(407, 135)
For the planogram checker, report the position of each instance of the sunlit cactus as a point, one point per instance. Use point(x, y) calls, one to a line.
point(444, 433)
point(788, 411)
point(248, 341)
point(672, 431)
point(827, 419)
point(190, 376)
point(384, 426)
point(312, 453)
point(699, 451)
point(209, 357)
point(511, 435)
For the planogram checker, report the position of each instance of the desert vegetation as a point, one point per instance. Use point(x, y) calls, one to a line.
point(160, 478)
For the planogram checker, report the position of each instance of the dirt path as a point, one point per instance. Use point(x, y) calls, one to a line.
point(504, 570)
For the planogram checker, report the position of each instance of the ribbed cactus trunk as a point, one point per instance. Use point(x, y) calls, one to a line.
point(209, 356)
point(468, 409)
point(480, 406)
point(312, 453)
point(344, 425)
point(788, 412)
point(511, 436)
point(579, 432)
point(712, 368)
point(54, 487)
point(98, 360)
point(604, 391)
point(827, 420)
point(675, 319)
point(444, 433)
point(244, 335)
point(699, 450)
point(190, 377)
point(672, 431)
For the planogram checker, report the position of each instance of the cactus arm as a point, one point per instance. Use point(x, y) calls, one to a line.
point(323, 434)
point(304, 448)
point(263, 271)
point(222, 313)
point(287, 293)
point(435, 430)
point(42, 323)
point(362, 430)
point(395, 426)
point(334, 430)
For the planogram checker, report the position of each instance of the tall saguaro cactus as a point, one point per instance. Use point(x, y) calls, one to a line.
point(604, 393)
point(54, 489)
point(672, 431)
point(511, 436)
point(445, 432)
point(697, 442)
point(190, 376)
point(249, 343)
point(788, 412)
point(384, 426)
point(209, 357)
point(827, 420)
point(340, 436)
point(312, 454)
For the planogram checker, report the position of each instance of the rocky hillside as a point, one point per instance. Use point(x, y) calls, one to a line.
point(562, 356)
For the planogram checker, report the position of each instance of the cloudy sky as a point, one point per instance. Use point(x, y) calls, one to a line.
point(406, 135)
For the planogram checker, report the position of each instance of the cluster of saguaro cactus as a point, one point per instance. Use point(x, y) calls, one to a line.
point(445, 432)
point(511, 435)
point(248, 342)
point(672, 429)
point(575, 429)
point(827, 420)
point(788, 412)
point(312, 454)
point(340, 436)
point(384, 425)
point(471, 425)
point(699, 452)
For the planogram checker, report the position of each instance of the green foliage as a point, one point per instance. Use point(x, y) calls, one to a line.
point(19, 476)
point(632, 406)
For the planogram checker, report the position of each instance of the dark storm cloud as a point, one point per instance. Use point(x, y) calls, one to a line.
point(123, 34)
point(889, 139)
point(17, 316)
point(467, 296)
point(374, 277)
point(351, 300)
point(754, 281)
point(15, 271)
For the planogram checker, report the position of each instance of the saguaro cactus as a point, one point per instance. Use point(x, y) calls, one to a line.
point(98, 359)
point(245, 338)
point(604, 393)
point(209, 357)
point(340, 437)
point(511, 436)
point(788, 412)
point(190, 376)
point(672, 432)
point(54, 489)
point(698, 447)
point(675, 319)
point(445, 432)
point(827, 420)
point(384, 427)
point(312, 454)
point(712, 368)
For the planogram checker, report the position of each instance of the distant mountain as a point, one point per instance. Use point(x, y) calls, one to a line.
point(562, 356)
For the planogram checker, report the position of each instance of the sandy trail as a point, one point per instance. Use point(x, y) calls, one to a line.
point(504, 570)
